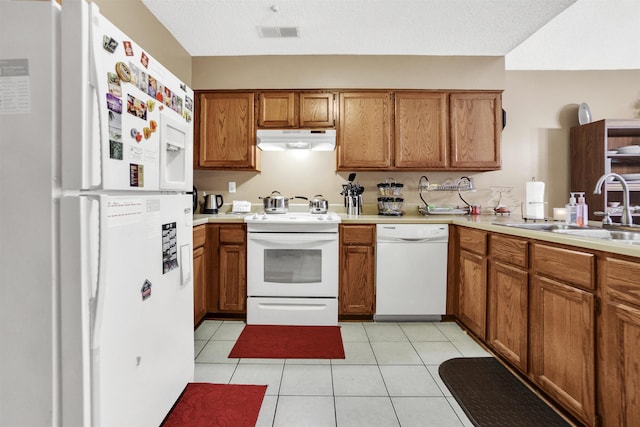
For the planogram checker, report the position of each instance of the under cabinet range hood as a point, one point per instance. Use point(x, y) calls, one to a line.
point(296, 139)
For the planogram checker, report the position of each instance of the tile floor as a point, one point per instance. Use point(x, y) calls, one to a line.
point(388, 378)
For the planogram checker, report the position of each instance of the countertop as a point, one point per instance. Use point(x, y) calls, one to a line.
point(488, 222)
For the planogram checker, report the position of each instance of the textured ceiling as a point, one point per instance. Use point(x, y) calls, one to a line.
point(517, 29)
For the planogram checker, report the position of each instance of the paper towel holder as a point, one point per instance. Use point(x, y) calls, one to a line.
point(525, 218)
point(528, 203)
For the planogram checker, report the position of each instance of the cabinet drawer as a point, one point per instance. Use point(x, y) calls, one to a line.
point(622, 280)
point(199, 236)
point(473, 240)
point(509, 250)
point(232, 234)
point(363, 235)
point(566, 265)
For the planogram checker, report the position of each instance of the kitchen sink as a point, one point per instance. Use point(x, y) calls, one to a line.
point(630, 237)
point(545, 226)
point(621, 236)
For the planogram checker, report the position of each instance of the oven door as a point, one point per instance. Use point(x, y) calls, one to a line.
point(292, 265)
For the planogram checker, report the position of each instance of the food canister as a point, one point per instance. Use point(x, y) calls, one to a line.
point(390, 188)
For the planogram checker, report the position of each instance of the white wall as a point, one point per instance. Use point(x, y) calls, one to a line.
point(542, 107)
point(132, 17)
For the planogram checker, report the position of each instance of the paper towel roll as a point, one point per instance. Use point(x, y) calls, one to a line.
point(534, 200)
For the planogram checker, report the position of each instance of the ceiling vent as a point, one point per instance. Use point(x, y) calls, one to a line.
point(278, 32)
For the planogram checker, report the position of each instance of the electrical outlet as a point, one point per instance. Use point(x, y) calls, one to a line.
point(232, 187)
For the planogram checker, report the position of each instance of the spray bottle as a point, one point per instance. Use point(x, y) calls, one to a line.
point(572, 210)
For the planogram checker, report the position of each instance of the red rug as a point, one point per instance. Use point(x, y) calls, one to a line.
point(289, 342)
point(216, 405)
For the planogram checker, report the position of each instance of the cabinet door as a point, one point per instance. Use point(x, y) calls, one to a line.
point(357, 271)
point(562, 344)
point(621, 394)
point(364, 131)
point(476, 126)
point(619, 370)
point(472, 292)
point(232, 262)
point(199, 285)
point(421, 130)
point(226, 136)
point(233, 283)
point(317, 110)
point(507, 330)
point(277, 110)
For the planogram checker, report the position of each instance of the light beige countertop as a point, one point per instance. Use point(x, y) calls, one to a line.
point(484, 222)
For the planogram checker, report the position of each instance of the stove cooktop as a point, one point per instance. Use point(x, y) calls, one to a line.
point(293, 218)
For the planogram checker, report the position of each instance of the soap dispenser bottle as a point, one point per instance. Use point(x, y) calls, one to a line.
point(582, 213)
point(572, 210)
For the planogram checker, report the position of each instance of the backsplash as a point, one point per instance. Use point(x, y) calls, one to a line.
point(310, 173)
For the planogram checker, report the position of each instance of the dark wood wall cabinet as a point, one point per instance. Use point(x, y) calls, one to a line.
point(597, 148)
point(376, 129)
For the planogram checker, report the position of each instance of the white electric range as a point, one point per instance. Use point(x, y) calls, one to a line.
point(292, 269)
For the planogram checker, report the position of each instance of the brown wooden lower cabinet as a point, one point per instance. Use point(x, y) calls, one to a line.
point(472, 280)
point(541, 314)
point(562, 345)
point(619, 373)
point(508, 319)
point(508, 299)
point(356, 294)
point(226, 269)
point(472, 292)
point(232, 275)
point(199, 273)
point(562, 326)
point(199, 303)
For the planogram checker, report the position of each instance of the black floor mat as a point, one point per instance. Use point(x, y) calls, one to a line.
point(490, 395)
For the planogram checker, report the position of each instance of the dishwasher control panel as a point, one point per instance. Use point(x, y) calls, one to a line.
point(439, 232)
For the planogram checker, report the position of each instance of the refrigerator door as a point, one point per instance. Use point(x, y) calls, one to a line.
point(29, 183)
point(135, 267)
point(113, 95)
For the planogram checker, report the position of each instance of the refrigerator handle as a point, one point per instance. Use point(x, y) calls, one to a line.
point(99, 288)
point(95, 114)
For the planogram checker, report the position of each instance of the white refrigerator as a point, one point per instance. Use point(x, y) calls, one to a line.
point(96, 166)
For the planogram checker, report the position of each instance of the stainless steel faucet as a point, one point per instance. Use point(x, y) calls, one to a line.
point(626, 213)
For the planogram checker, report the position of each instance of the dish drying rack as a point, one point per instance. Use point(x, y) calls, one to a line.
point(463, 184)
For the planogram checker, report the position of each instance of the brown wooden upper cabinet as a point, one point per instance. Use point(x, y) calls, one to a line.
point(225, 131)
point(364, 131)
point(475, 120)
point(421, 130)
point(430, 130)
point(296, 110)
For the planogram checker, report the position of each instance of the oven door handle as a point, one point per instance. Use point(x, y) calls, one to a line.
point(292, 238)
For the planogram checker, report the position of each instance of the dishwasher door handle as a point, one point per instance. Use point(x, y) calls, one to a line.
point(412, 240)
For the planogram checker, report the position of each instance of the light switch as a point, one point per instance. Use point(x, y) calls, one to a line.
point(232, 187)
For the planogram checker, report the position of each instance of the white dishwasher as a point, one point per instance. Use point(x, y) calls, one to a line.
point(411, 272)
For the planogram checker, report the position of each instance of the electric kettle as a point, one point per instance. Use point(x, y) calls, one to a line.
point(212, 202)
